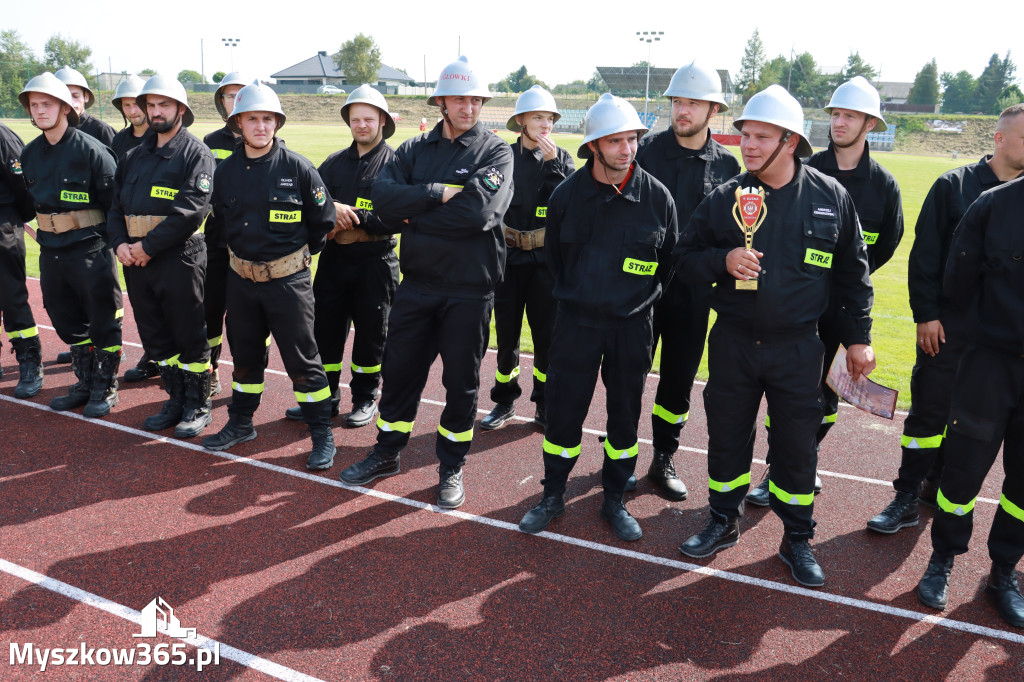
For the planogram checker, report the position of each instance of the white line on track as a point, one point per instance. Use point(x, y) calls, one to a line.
point(121, 611)
point(862, 604)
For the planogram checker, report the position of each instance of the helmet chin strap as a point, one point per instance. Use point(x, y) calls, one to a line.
point(444, 115)
point(764, 166)
point(606, 167)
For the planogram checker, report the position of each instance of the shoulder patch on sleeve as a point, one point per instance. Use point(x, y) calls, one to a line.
point(320, 195)
point(204, 182)
point(493, 178)
point(16, 166)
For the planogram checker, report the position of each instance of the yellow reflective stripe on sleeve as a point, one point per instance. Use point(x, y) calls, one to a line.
point(612, 453)
point(729, 486)
point(196, 367)
point(870, 237)
point(400, 427)
point(539, 375)
point(314, 397)
point(112, 349)
point(88, 341)
point(830, 418)
point(790, 498)
point(221, 153)
point(463, 437)
point(246, 388)
point(822, 259)
point(286, 216)
point(542, 212)
point(505, 378)
point(358, 369)
point(639, 267)
point(921, 442)
point(169, 362)
point(333, 367)
point(448, 184)
point(216, 341)
point(74, 197)
point(1010, 508)
point(364, 203)
point(670, 417)
point(560, 451)
point(119, 313)
point(163, 192)
point(24, 333)
point(953, 508)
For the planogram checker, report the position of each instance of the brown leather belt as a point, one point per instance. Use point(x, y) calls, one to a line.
point(141, 225)
point(72, 220)
point(358, 234)
point(264, 271)
point(527, 241)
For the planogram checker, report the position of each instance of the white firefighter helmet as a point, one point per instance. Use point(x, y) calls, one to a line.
point(71, 77)
point(166, 86)
point(233, 78)
point(129, 87)
point(776, 106)
point(256, 97)
point(534, 99)
point(857, 94)
point(457, 79)
point(696, 80)
point(48, 84)
point(608, 116)
point(367, 94)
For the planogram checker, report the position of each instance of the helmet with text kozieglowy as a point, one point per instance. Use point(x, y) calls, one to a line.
point(458, 80)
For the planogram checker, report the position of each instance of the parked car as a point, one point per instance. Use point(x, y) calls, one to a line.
point(330, 90)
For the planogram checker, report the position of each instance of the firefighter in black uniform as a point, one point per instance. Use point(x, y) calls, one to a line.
point(276, 213)
point(71, 178)
point(855, 110)
point(15, 312)
point(773, 284)
point(84, 98)
point(691, 164)
point(984, 280)
point(610, 234)
point(129, 137)
point(941, 330)
point(451, 185)
point(162, 196)
point(222, 143)
point(540, 166)
point(358, 270)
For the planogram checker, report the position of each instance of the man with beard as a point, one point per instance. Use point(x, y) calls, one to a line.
point(162, 195)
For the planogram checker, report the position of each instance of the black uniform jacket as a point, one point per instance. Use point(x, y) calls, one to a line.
point(222, 143)
point(272, 206)
point(173, 181)
point(76, 174)
point(90, 125)
point(985, 271)
point(455, 249)
point(349, 179)
point(689, 177)
point(534, 181)
point(125, 141)
point(945, 205)
point(811, 243)
point(611, 253)
point(877, 198)
point(15, 201)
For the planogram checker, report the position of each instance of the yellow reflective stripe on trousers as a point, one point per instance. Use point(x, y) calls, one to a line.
point(729, 486)
point(767, 421)
point(539, 375)
point(216, 341)
point(314, 397)
point(463, 437)
point(111, 349)
point(399, 427)
point(612, 453)
point(363, 370)
point(268, 341)
point(505, 378)
point(790, 498)
point(246, 388)
point(670, 417)
point(88, 341)
point(830, 418)
point(24, 333)
point(169, 362)
point(333, 367)
point(953, 508)
point(1010, 508)
point(560, 451)
point(921, 442)
point(119, 313)
point(196, 367)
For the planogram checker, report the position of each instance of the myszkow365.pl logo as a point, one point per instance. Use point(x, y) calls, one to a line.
point(157, 619)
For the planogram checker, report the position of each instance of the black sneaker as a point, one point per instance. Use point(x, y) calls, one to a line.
point(498, 417)
point(798, 556)
point(538, 518)
point(370, 468)
point(901, 513)
point(717, 534)
point(450, 493)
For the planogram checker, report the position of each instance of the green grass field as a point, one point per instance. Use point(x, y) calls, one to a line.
point(894, 329)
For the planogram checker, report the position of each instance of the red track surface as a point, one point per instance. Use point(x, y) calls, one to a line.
point(305, 577)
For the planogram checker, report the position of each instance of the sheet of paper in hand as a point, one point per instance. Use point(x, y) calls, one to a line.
point(863, 394)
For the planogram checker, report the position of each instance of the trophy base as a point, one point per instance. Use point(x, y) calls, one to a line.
point(746, 285)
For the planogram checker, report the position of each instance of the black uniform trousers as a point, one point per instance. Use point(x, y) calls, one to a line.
point(282, 307)
point(787, 371)
point(167, 301)
point(931, 389)
point(526, 288)
point(78, 288)
point(354, 288)
point(15, 311)
point(681, 321)
point(622, 353)
point(986, 411)
point(215, 299)
point(423, 325)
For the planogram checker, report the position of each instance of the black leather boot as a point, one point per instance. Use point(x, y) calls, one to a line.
point(797, 554)
point(663, 474)
point(78, 394)
point(30, 363)
point(719, 533)
point(1002, 585)
point(196, 413)
point(103, 395)
point(239, 429)
point(170, 413)
point(901, 513)
point(551, 506)
point(933, 590)
point(371, 467)
point(622, 522)
point(145, 369)
point(318, 416)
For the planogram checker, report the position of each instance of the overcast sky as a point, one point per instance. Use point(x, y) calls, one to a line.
point(558, 42)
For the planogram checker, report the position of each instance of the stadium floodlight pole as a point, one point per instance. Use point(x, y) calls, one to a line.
point(648, 37)
point(231, 43)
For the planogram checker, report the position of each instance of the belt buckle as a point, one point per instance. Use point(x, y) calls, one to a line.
point(263, 268)
point(510, 237)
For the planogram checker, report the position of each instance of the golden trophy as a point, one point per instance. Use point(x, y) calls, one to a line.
point(749, 212)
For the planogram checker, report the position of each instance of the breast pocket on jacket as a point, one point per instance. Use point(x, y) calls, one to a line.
point(285, 210)
point(820, 237)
